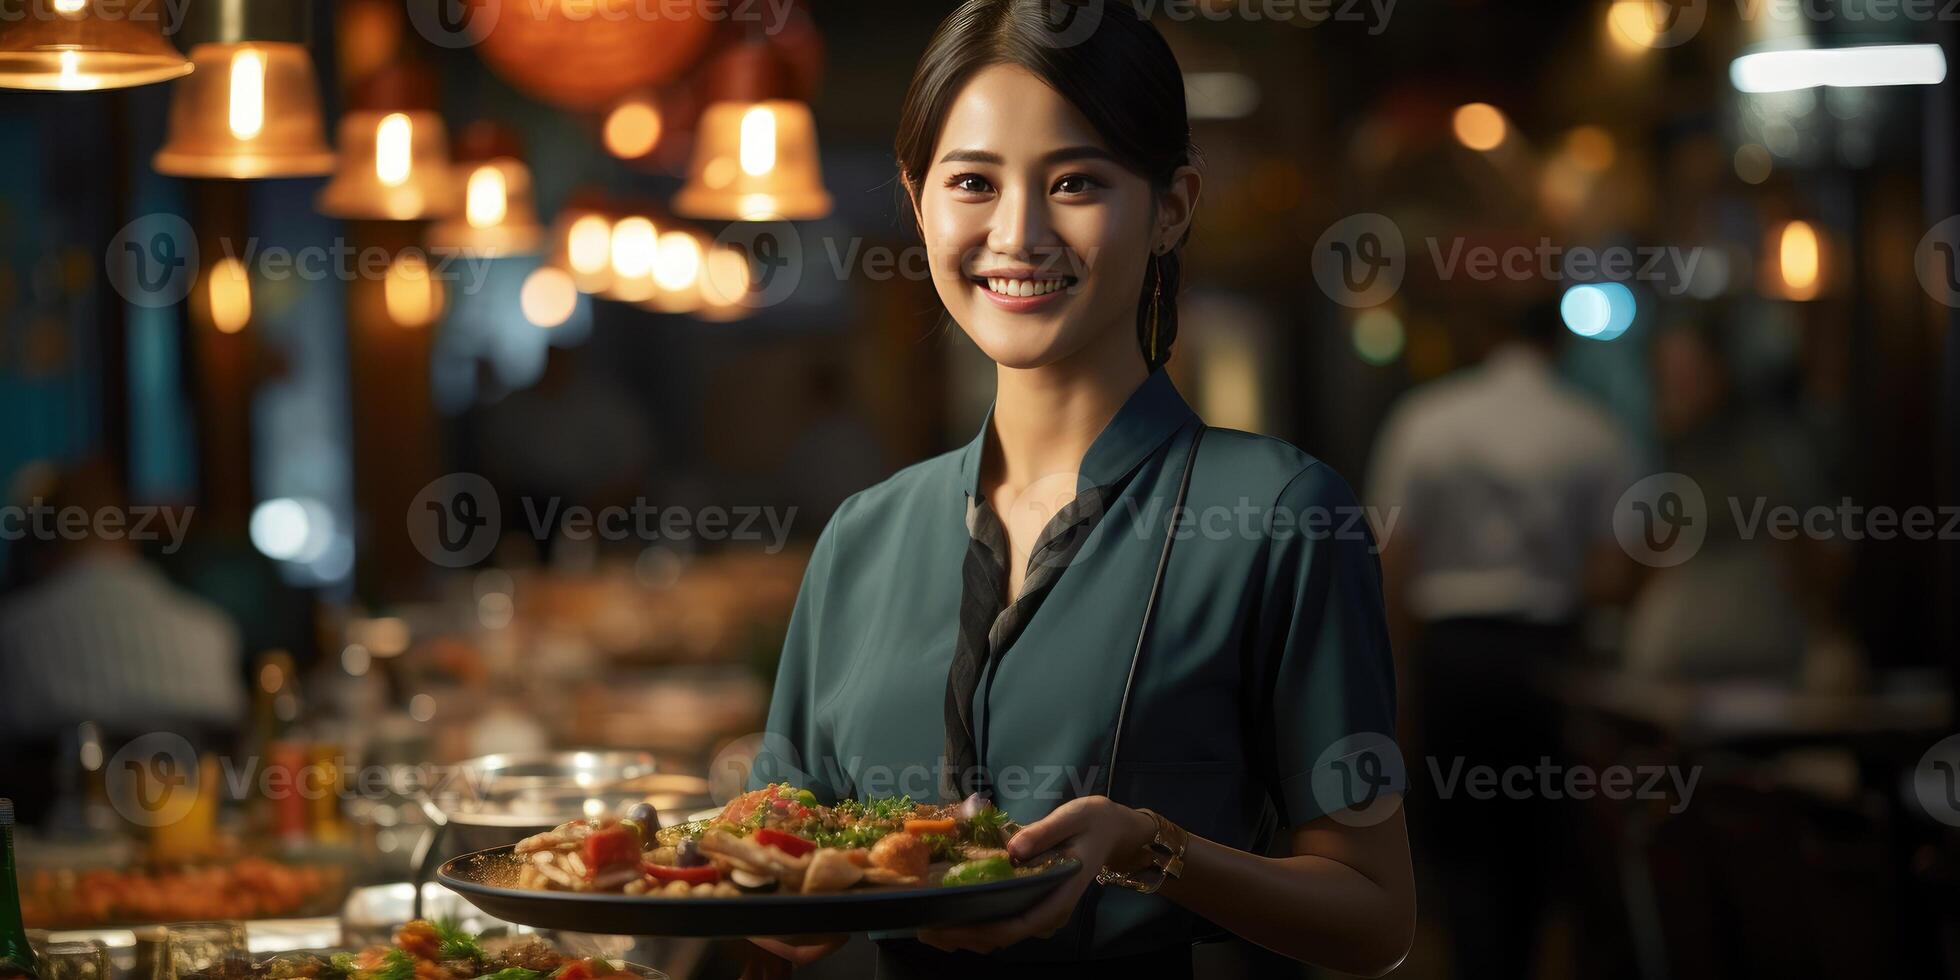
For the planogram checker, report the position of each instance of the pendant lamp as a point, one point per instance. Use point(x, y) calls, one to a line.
point(498, 217)
point(394, 152)
point(81, 45)
point(755, 152)
point(252, 108)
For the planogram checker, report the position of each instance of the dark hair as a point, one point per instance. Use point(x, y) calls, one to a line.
point(1102, 57)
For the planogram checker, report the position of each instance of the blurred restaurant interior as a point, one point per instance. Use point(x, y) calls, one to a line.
point(284, 314)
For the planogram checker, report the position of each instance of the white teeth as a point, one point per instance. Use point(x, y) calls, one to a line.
point(1024, 287)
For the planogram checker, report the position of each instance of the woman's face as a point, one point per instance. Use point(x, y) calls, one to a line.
point(1038, 238)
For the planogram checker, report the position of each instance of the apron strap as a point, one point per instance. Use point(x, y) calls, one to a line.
point(1150, 610)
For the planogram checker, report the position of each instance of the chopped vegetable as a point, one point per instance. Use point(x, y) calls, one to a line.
point(610, 847)
point(697, 875)
point(946, 826)
point(789, 844)
point(979, 872)
point(398, 965)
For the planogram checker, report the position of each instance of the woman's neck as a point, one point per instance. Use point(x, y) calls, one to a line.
point(1045, 418)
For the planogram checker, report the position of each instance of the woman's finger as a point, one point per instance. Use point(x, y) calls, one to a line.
point(1047, 832)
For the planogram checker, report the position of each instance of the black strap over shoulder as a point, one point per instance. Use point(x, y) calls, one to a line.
point(1150, 608)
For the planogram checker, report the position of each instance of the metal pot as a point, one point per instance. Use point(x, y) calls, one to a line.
point(501, 799)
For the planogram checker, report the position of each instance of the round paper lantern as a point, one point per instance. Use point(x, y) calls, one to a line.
point(584, 54)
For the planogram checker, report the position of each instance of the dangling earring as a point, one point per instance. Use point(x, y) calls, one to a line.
point(1156, 302)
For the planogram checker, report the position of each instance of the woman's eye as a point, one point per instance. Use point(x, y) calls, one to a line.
point(1076, 184)
point(970, 184)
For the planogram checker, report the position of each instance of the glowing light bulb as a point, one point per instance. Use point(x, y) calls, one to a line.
point(635, 244)
point(632, 130)
point(488, 200)
point(588, 245)
point(247, 94)
point(412, 295)
point(69, 7)
point(1479, 126)
point(680, 261)
point(727, 277)
point(758, 141)
point(1799, 259)
point(230, 293)
point(548, 297)
point(393, 140)
point(71, 71)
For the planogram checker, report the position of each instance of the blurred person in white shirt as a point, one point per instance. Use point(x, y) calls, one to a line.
point(1502, 480)
point(96, 633)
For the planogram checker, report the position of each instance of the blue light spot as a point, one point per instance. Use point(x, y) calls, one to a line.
point(1598, 311)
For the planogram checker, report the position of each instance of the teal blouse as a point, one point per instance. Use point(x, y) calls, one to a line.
point(1265, 676)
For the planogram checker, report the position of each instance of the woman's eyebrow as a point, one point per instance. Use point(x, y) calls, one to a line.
point(1066, 153)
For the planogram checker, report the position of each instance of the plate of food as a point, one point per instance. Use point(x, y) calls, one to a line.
point(421, 950)
point(773, 862)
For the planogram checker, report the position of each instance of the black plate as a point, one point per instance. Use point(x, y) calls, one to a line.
point(486, 879)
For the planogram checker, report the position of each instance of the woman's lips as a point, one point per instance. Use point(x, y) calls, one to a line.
point(1017, 295)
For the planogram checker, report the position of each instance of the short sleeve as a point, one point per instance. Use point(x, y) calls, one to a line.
point(794, 741)
point(1326, 655)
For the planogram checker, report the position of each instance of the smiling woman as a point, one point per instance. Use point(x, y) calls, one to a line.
point(1015, 611)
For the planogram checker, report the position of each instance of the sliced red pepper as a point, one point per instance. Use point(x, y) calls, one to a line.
point(575, 970)
point(610, 848)
point(704, 874)
point(789, 844)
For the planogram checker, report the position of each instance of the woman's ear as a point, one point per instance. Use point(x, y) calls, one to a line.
point(1177, 206)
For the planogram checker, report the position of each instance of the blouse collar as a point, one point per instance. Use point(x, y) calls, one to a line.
point(1149, 417)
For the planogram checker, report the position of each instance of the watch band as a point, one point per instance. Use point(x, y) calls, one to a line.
point(1163, 859)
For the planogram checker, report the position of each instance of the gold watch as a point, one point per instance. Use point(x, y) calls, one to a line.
point(1162, 859)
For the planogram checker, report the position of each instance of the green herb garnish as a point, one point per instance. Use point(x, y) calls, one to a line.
point(456, 943)
point(513, 973)
point(398, 966)
point(340, 965)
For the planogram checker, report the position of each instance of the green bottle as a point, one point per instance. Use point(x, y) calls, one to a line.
point(16, 957)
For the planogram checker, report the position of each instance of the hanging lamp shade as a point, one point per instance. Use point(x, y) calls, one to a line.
point(755, 153)
point(394, 152)
point(498, 217)
point(80, 46)
point(252, 108)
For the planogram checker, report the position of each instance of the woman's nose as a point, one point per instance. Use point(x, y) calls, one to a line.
point(1020, 223)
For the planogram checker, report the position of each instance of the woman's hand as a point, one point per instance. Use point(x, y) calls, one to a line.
point(1094, 830)
point(771, 959)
